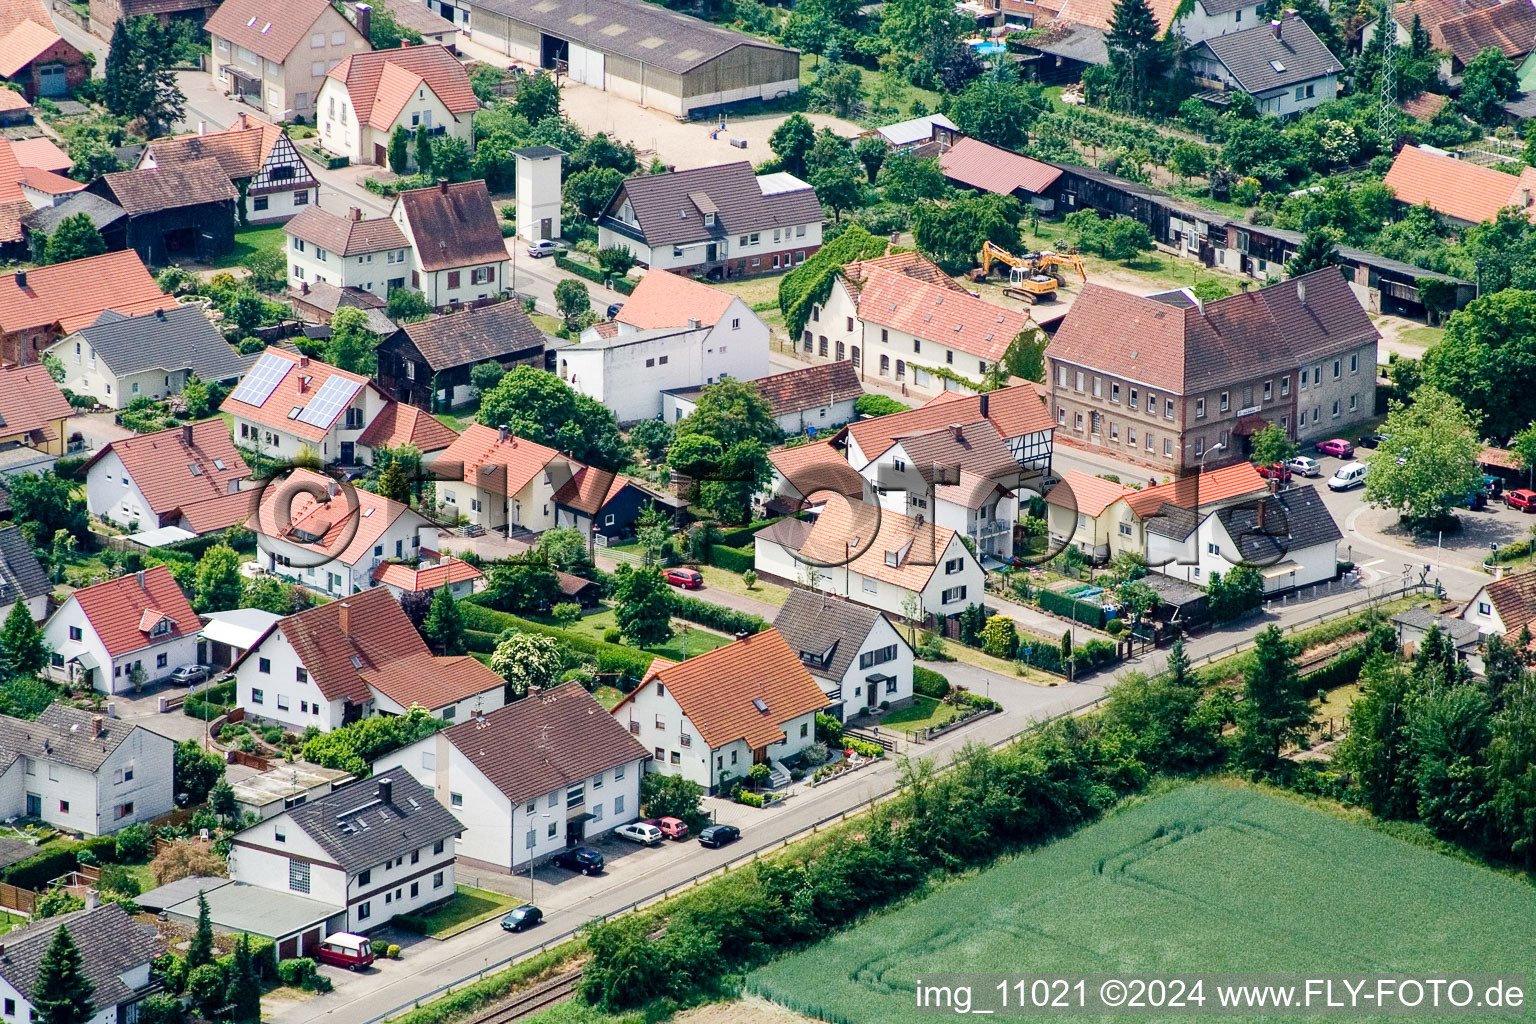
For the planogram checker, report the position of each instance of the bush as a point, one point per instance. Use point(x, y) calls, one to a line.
point(929, 683)
point(392, 951)
point(118, 879)
point(612, 636)
point(751, 799)
point(41, 868)
point(715, 616)
point(566, 613)
point(160, 1008)
point(1000, 637)
point(828, 729)
point(737, 560)
point(863, 748)
point(211, 702)
point(1086, 612)
point(1114, 627)
point(868, 406)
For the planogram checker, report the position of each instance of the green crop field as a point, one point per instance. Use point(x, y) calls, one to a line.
point(1205, 878)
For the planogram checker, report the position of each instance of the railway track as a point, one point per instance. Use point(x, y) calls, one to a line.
point(540, 997)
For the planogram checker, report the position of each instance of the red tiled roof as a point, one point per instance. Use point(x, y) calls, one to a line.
point(117, 610)
point(939, 315)
point(161, 464)
point(1425, 105)
point(308, 374)
point(222, 512)
point(1097, 13)
point(792, 462)
point(345, 236)
point(41, 153)
point(501, 467)
point(1014, 411)
point(911, 264)
point(377, 633)
point(398, 424)
point(664, 299)
point(11, 100)
point(810, 387)
point(590, 489)
point(1199, 490)
point(875, 539)
point(333, 527)
point(14, 12)
point(30, 402)
point(1090, 495)
point(270, 29)
point(74, 294)
point(47, 181)
point(24, 44)
point(449, 570)
point(1434, 13)
point(1500, 457)
point(1510, 26)
point(431, 681)
point(716, 690)
point(379, 95)
point(994, 169)
point(1459, 189)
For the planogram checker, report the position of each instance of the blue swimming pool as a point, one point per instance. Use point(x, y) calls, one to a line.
point(989, 49)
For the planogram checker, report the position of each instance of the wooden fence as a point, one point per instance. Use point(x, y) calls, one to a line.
point(255, 761)
point(21, 900)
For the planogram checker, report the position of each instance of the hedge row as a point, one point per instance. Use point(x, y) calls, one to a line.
point(479, 641)
point(623, 285)
point(743, 536)
point(580, 269)
point(1086, 612)
point(211, 702)
point(727, 620)
point(609, 657)
point(39, 869)
point(1341, 669)
point(929, 683)
point(737, 560)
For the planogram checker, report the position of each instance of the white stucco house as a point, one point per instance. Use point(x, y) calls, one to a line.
point(335, 663)
point(374, 848)
point(187, 476)
point(370, 254)
point(289, 403)
point(500, 481)
point(1289, 537)
point(673, 332)
point(85, 773)
point(117, 953)
point(1282, 65)
point(457, 254)
point(1503, 606)
point(877, 559)
point(119, 358)
point(309, 531)
point(711, 718)
point(368, 95)
point(532, 778)
point(860, 661)
point(105, 634)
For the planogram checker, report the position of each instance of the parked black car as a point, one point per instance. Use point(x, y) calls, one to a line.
point(1371, 441)
point(581, 858)
point(719, 835)
point(525, 916)
point(613, 309)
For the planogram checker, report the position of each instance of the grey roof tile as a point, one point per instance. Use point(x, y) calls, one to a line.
point(1252, 55)
point(66, 735)
point(359, 830)
point(175, 339)
point(667, 212)
point(102, 211)
point(474, 335)
point(825, 631)
point(1294, 520)
point(22, 576)
point(111, 944)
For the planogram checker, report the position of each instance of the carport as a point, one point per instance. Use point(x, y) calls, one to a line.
point(296, 924)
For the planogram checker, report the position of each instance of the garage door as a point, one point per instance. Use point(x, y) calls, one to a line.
point(586, 66)
point(51, 80)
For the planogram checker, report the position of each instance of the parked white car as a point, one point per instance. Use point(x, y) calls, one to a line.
point(640, 832)
point(1303, 466)
point(1351, 474)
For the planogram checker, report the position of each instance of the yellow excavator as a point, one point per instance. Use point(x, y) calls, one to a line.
point(1025, 280)
point(1047, 262)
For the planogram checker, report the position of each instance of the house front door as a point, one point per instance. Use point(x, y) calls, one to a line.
point(710, 251)
point(347, 453)
point(380, 156)
point(873, 686)
point(34, 805)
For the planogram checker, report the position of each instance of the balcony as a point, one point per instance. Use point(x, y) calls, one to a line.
point(986, 529)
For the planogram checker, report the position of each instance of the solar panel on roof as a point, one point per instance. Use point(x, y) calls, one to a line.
point(332, 397)
point(263, 379)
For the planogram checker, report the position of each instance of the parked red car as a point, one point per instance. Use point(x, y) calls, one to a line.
point(672, 828)
point(1338, 446)
point(688, 579)
point(1524, 499)
point(343, 949)
point(1275, 471)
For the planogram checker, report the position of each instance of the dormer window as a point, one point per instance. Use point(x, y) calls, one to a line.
point(161, 628)
point(709, 220)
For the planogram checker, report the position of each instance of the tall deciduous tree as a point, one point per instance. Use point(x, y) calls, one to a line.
point(952, 233)
point(791, 142)
point(1428, 462)
point(871, 151)
point(731, 411)
point(537, 98)
point(997, 110)
point(351, 345)
point(537, 405)
point(1488, 80)
point(527, 660)
point(1487, 361)
point(76, 238)
point(217, 586)
point(22, 642)
point(643, 607)
point(61, 992)
point(588, 191)
point(1274, 711)
point(1271, 445)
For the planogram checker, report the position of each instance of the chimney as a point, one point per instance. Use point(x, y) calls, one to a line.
point(303, 384)
point(743, 635)
point(957, 431)
point(21, 279)
point(1275, 27)
point(1301, 292)
point(159, 314)
point(345, 619)
point(98, 725)
point(693, 323)
point(356, 213)
point(442, 185)
point(1262, 503)
point(984, 404)
point(502, 434)
point(404, 43)
point(186, 434)
point(387, 790)
point(303, 360)
point(140, 577)
point(364, 20)
point(303, 287)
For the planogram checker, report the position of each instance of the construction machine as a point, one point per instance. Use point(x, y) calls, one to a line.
point(1053, 263)
point(1025, 281)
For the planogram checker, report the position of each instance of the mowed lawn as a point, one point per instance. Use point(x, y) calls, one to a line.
point(249, 241)
point(1210, 877)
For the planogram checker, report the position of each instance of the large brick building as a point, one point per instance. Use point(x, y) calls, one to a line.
point(1158, 380)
